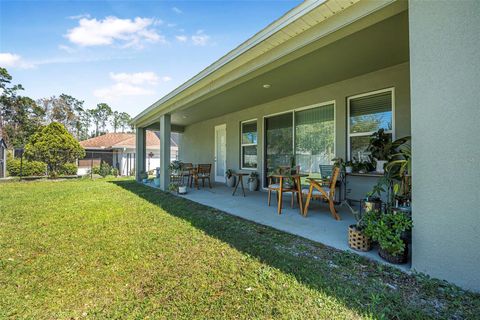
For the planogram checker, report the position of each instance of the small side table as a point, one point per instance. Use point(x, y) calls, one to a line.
point(239, 181)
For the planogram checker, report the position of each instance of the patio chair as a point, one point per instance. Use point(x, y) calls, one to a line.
point(203, 173)
point(274, 185)
point(326, 172)
point(188, 172)
point(320, 192)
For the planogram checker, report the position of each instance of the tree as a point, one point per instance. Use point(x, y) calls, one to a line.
point(55, 146)
point(20, 116)
point(116, 120)
point(125, 120)
point(103, 113)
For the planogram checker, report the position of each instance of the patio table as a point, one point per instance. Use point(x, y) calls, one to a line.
point(298, 184)
point(240, 176)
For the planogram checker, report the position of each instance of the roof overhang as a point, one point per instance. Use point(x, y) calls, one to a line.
point(306, 28)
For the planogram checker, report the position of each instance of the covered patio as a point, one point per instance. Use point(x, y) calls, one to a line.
point(318, 226)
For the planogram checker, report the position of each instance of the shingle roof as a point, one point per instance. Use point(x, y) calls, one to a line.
point(117, 140)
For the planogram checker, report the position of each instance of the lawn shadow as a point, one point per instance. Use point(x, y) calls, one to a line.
point(369, 288)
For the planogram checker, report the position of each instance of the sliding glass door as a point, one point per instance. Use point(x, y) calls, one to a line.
point(278, 142)
point(304, 138)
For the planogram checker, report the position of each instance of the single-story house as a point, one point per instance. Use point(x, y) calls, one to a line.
point(118, 150)
point(3, 158)
point(314, 84)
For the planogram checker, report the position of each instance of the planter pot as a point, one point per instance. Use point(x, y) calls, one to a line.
point(399, 259)
point(145, 180)
point(253, 185)
point(182, 190)
point(156, 182)
point(357, 240)
point(372, 206)
point(348, 169)
point(380, 165)
point(230, 181)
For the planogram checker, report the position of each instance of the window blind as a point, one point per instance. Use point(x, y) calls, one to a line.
point(377, 103)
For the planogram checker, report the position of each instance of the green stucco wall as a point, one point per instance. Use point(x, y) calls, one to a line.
point(445, 77)
point(197, 144)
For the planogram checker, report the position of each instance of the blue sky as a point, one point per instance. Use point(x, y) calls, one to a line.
point(126, 53)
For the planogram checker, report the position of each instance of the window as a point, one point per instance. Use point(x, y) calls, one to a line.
point(366, 114)
point(248, 152)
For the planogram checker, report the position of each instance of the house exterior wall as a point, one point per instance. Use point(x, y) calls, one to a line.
point(197, 143)
point(445, 73)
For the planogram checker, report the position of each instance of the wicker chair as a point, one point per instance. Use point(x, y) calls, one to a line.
point(318, 191)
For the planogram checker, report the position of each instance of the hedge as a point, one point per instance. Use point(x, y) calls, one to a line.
point(68, 169)
point(28, 168)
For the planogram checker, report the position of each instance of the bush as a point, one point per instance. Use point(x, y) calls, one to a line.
point(105, 169)
point(68, 169)
point(28, 168)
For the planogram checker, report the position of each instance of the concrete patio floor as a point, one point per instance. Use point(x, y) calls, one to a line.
point(318, 226)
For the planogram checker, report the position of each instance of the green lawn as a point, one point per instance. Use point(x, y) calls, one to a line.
point(117, 249)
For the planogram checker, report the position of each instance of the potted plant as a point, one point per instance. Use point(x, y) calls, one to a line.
point(230, 178)
point(253, 181)
point(357, 239)
point(144, 176)
point(175, 167)
point(349, 166)
point(388, 230)
point(156, 181)
point(172, 187)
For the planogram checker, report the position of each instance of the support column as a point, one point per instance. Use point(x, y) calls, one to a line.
point(165, 130)
point(140, 152)
point(445, 73)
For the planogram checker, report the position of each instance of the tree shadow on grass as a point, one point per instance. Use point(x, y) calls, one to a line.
point(360, 284)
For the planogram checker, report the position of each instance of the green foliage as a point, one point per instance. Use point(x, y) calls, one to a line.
point(105, 169)
point(229, 173)
point(25, 168)
point(387, 229)
point(253, 176)
point(68, 169)
point(175, 165)
point(55, 146)
point(143, 175)
point(381, 145)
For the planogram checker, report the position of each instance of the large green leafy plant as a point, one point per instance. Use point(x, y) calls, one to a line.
point(387, 229)
point(55, 146)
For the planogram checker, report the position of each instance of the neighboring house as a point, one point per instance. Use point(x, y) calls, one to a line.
point(309, 84)
point(118, 150)
point(3, 158)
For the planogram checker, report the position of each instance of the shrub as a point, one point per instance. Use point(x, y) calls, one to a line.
point(105, 169)
point(26, 168)
point(68, 169)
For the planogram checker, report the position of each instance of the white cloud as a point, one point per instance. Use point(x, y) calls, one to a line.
point(79, 16)
point(181, 38)
point(130, 84)
point(135, 78)
point(200, 38)
point(66, 48)
point(10, 60)
point(128, 32)
point(176, 10)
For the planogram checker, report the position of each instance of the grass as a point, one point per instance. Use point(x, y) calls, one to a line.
point(117, 249)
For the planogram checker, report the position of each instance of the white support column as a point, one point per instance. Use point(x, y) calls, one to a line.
point(445, 73)
point(165, 130)
point(140, 151)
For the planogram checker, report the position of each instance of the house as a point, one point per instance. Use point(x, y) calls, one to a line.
point(118, 150)
point(410, 67)
point(3, 158)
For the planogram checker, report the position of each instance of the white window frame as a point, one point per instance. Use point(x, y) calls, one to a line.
point(292, 111)
point(247, 144)
point(363, 134)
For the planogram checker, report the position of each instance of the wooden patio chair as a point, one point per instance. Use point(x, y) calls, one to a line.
point(274, 185)
point(320, 192)
point(187, 172)
point(203, 173)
